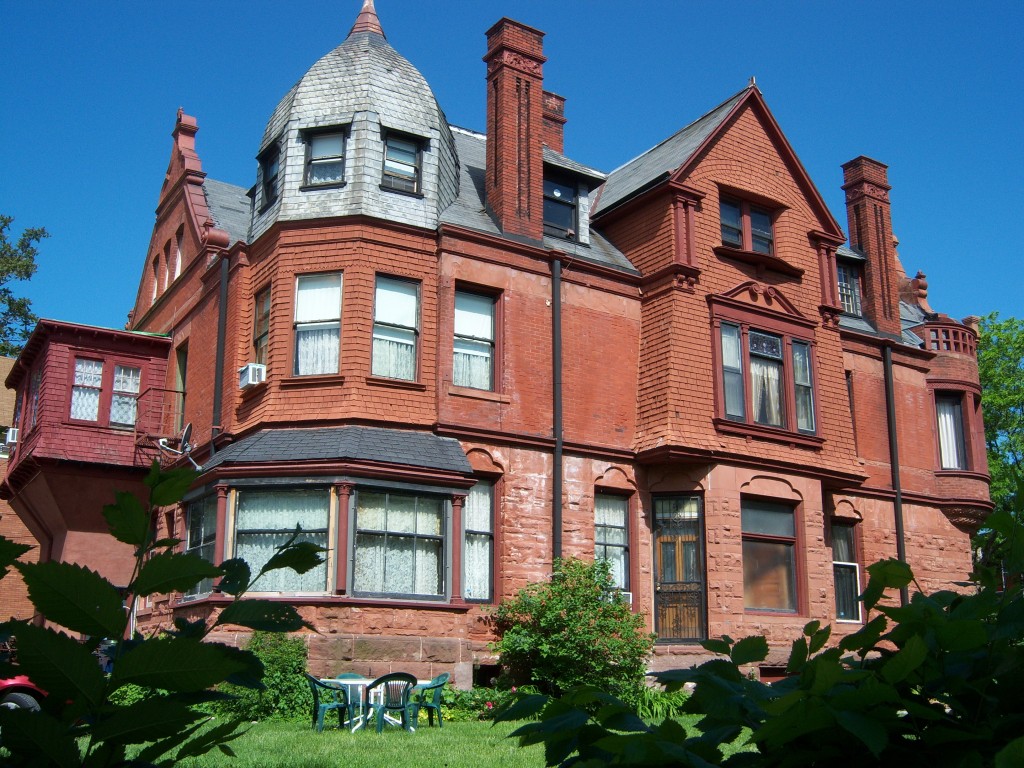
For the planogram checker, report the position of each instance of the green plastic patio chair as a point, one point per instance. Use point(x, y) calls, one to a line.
point(326, 697)
point(355, 694)
point(393, 693)
point(430, 697)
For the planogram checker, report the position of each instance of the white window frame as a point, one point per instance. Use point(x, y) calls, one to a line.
point(473, 340)
point(319, 315)
point(949, 415)
point(601, 530)
point(839, 565)
point(848, 278)
point(395, 325)
point(483, 494)
point(398, 173)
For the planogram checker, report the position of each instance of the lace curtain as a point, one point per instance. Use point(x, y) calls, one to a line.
point(316, 349)
point(766, 391)
point(85, 393)
point(610, 536)
point(477, 518)
point(395, 319)
point(317, 323)
point(399, 545)
point(266, 519)
point(474, 337)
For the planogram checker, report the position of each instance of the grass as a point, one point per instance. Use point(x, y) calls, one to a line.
point(457, 745)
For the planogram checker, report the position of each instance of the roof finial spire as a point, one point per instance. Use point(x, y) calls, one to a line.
point(367, 20)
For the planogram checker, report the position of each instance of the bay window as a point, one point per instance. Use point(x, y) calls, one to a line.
point(266, 519)
point(769, 556)
point(395, 328)
point(611, 536)
point(767, 379)
point(473, 363)
point(105, 392)
point(478, 548)
point(317, 323)
point(399, 545)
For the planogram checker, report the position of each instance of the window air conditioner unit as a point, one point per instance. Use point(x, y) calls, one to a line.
point(12, 436)
point(251, 374)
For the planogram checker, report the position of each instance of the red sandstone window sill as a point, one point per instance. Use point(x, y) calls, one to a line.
point(769, 433)
point(297, 382)
point(759, 260)
point(967, 474)
point(334, 600)
point(376, 381)
point(478, 394)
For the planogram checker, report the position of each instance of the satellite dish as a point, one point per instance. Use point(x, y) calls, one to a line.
point(184, 446)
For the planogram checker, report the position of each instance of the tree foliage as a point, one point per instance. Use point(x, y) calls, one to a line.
point(574, 629)
point(90, 718)
point(17, 262)
point(933, 683)
point(1001, 368)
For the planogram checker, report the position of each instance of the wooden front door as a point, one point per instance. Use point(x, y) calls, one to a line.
point(679, 590)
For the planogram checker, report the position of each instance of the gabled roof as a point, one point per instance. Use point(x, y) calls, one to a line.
point(660, 161)
point(392, 446)
point(230, 207)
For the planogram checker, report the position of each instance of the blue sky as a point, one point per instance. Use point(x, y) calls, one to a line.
point(933, 90)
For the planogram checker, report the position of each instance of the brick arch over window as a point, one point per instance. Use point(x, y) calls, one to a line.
point(771, 488)
point(616, 477)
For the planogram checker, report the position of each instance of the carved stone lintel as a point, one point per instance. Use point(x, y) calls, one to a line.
point(829, 316)
point(517, 60)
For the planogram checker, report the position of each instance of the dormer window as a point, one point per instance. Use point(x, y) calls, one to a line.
point(401, 164)
point(325, 158)
point(269, 166)
point(849, 287)
point(746, 227)
point(560, 203)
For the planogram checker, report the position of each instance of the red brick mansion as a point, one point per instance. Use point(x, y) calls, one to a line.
point(452, 356)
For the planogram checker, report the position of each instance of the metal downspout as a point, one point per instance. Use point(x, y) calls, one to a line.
point(218, 367)
point(894, 462)
point(556, 410)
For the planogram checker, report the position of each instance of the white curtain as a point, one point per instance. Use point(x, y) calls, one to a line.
point(477, 559)
point(266, 519)
point(395, 317)
point(394, 353)
point(950, 433)
point(124, 402)
point(474, 336)
point(85, 393)
point(316, 349)
point(766, 386)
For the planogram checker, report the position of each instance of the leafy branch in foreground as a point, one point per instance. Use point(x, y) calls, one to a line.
point(934, 682)
point(81, 724)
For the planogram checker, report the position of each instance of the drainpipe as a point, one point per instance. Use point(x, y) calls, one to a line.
point(894, 462)
point(218, 367)
point(556, 410)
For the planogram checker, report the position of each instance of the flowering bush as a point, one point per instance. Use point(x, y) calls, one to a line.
point(479, 703)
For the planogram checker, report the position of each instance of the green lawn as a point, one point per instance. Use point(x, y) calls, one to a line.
point(457, 745)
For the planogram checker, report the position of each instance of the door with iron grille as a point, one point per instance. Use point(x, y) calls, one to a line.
point(679, 590)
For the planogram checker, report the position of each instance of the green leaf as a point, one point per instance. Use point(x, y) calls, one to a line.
point(38, 739)
point(811, 627)
point(905, 661)
point(168, 488)
point(10, 551)
point(127, 519)
point(717, 646)
point(172, 572)
point(263, 615)
point(962, 635)
point(1012, 755)
point(236, 576)
point(300, 556)
point(819, 639)
point(179, 664)
point(797, 656)
point(146, 720)
point(749, 650)
point(872, 733)
point(894, 574)
point(60, 665)
point(75, 597)
point(526, 706)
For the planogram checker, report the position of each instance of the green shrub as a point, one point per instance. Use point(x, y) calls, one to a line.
point(285, 695)
point(479, 703)
point(573, 630)
point(654, 704)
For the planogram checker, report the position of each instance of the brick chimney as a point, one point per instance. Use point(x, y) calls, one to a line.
point(515, 128)
point(554, 121)
point(870, 223)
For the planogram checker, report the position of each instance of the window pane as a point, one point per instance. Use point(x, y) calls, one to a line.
point(847, 605)
point(201, 535)
point(318, 297)
point(842, 543)
point(477, 520)
point(769, 575)
point(326, 145)
point(559, 215)
point(761, 231)
point(474, 316)
point(326, 172)
point(801, 363)
point(316, 349)
point(766, 344)
point(394, 353)
point(472, 364)
point(476, 510)
point(732, 364)
point(804, 390)
point(396, 302)
point(85, 394)
point(610, 510)
point(849, 288)
point(559, 190)
point(732, 224)
point(767, 518)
